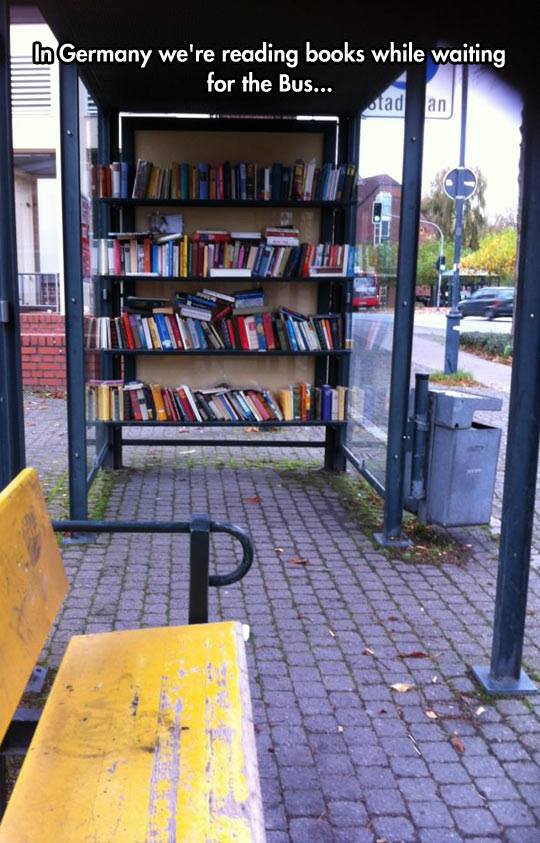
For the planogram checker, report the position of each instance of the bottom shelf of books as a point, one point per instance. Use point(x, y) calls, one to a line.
point(136, 402)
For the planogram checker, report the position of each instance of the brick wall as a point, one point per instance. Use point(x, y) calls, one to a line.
point(43, 351)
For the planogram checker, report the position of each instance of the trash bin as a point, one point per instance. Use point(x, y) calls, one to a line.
point(462, 460)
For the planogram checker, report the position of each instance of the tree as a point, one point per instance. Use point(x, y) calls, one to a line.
point(428, 252)
point(496, 253)
point(440, 209)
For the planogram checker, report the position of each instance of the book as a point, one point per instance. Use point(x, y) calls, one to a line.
point(139, 401)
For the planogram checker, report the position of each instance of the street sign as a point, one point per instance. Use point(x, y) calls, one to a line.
point(439, 95)
point(460, 183)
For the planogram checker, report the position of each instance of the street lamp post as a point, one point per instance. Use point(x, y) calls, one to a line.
point(441, 259)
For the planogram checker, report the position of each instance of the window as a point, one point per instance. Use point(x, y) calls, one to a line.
point(30, 86)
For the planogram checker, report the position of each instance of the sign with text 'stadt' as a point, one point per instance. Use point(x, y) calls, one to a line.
point(439, 95)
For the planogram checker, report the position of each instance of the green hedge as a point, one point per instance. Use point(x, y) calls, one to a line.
point(499, 345)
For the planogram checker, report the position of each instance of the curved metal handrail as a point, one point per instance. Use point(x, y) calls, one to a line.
point(215, 580)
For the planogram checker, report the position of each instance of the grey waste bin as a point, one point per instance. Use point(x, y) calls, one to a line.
point(462, 460)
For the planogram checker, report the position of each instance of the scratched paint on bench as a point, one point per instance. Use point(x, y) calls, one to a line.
point(146, 738)
point(32, 586)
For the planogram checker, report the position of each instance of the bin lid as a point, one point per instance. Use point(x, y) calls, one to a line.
point(456, 409)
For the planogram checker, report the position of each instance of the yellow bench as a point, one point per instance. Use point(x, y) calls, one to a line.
point(146, 736)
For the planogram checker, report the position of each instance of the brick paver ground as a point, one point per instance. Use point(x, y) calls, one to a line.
point(343, 757)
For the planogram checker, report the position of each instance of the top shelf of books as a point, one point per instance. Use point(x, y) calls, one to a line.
point(246, 183)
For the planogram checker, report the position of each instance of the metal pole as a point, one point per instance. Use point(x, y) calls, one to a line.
point(505, 674)
point(441, 255)
point(199, 551)
point(71, 217)
point(12, 452)
point(454, 317)
point(404, 308)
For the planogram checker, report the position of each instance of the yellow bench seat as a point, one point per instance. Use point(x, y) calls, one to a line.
point(147, 735)
point(146, 738)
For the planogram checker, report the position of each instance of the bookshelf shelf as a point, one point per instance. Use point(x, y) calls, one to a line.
point(223, 203)
point(268, 424)
point(222, 352)
point(207, 280)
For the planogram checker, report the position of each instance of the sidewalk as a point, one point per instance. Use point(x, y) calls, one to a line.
point(494, 375)
point(343, 757)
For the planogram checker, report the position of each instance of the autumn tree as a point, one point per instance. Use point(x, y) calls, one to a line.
point(496, 253)
point(440, 209)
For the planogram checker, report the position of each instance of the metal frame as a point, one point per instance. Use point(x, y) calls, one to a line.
point(71, 215)
point(326, 370)
point(505, 675)
point(398, 428)
point(11, 404)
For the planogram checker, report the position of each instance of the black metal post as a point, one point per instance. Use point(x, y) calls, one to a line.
point(71, 216)
point(341, 300)
point(505, 676)
point(108, 294)
point(404, 307)
point(198, 569)
point(12, 453)
point(453, 318)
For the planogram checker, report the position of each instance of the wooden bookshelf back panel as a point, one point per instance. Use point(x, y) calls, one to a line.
point(206, 372)
point(164, 147)
point(299, 297)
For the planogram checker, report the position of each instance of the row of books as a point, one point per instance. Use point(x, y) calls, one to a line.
point(190, 256)
point(301, 181)
point(244, 181)
point(138, 401)
point(166, 330)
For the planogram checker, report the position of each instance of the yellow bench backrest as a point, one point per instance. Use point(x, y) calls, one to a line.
point(32, 586)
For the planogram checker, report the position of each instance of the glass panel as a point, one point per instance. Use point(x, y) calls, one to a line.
point(381, 154)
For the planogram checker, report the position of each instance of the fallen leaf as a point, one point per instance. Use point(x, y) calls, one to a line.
point(431, 714)
point(401, 687)
point(530, 612)
point(253, 499)
point(298, 560)
point(416, 654)
point(393, 618)
point(457, 743)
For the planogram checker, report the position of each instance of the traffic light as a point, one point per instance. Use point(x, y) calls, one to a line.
point(376, 215)
point(440, 263)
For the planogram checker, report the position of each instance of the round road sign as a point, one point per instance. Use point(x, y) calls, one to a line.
point(460, 183)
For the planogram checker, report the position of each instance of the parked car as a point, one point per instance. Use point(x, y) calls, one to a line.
point(502, 306)
point(479, 301)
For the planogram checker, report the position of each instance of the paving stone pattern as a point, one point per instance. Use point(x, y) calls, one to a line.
point(343, 757)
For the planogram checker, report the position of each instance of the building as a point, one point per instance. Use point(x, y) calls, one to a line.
point(36, 142)
point(386, 190)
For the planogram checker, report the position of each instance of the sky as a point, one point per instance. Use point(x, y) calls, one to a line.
point(493, 138)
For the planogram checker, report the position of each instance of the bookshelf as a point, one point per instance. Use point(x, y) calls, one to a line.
point(163, 140)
